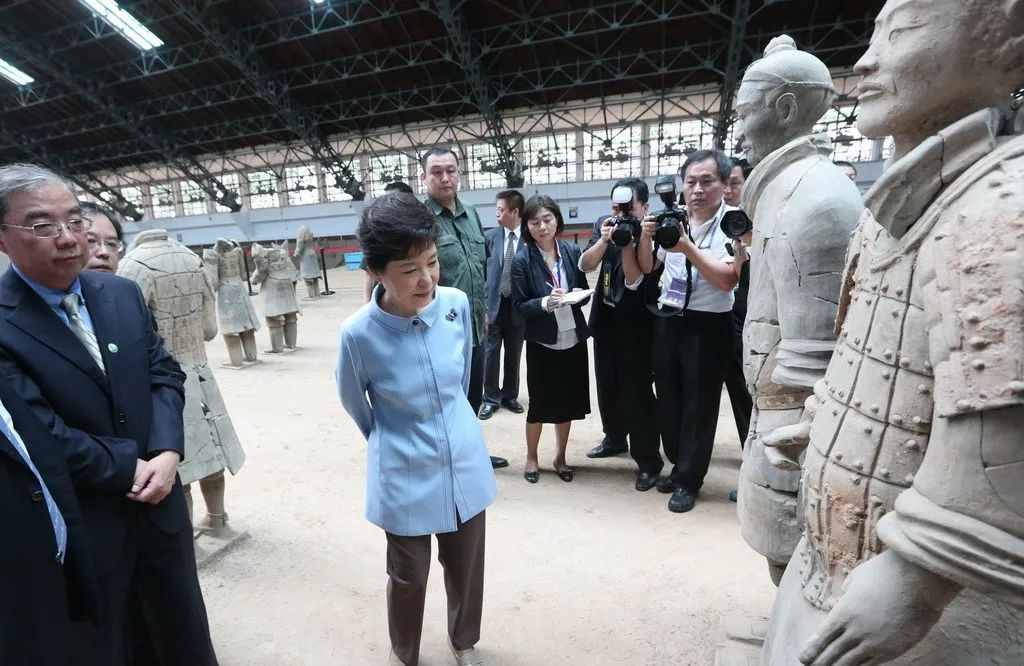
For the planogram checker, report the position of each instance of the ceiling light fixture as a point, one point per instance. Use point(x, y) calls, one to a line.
point(13, 74)
point(124, 23)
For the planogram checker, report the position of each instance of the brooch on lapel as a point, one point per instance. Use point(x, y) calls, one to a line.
point(451, 315)
point(112, 348)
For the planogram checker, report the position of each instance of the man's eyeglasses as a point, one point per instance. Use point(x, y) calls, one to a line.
point(74, 226)
point(112, 244)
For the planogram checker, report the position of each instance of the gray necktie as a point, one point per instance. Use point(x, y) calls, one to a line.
point(70, 305)
point(60, 529)
point(506, 266)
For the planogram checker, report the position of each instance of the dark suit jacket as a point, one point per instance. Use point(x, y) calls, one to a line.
point(39, 596)
point(495, 253)
point(104, 423)
point(530, 279)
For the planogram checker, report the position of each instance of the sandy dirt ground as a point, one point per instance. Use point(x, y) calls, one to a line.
point(588, 572)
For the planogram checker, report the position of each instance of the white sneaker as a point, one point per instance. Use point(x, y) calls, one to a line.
point(468, 657)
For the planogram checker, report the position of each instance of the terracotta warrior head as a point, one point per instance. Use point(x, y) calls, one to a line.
point(304, 233)
point(933, 62)
point(781, 97)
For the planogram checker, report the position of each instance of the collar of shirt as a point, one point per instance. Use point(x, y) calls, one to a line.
point(401, 324)
point(52, 297)
point(504, 238)
point(439, 210)
point(703, 230)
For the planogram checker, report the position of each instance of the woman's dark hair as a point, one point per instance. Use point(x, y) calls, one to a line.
point(393, 227)
point(532, 208)
point(90, 208)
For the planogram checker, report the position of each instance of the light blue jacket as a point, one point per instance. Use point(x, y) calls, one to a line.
point(404, 382)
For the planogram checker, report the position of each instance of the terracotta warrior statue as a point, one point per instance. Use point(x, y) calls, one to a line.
point(307, 251)
point(277, 275)
point(236, 318)
point(804, 209)
point(913, 482)
point(178, 292)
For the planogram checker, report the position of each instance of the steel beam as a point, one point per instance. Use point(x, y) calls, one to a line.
point(731, 77)
point(217, 30)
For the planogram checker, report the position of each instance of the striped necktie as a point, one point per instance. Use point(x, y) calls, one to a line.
point(70, 305)
point(60, 529)
point(505, 286)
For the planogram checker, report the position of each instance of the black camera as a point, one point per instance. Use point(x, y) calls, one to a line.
point(736, 224)
point(627, 226)
point(673, 220)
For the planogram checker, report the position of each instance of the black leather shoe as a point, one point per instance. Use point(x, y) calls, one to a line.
point(513, 406)
point(487, 411)
point(606, 450)
point(682, 500)
point(498, 463)
point(666, 485)
point(645, 481)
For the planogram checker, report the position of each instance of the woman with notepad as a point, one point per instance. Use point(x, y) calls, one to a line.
point(549, 290)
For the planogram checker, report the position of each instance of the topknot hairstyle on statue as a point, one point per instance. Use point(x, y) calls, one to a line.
point(786, 69)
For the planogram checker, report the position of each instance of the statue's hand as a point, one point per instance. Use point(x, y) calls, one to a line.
point(887, 606)
point(783, 446)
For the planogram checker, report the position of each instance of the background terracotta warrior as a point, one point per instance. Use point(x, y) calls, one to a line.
point(178, 292)
point(236, 318)
point(307, 251)
point(277, 275)
point(804, 209)
point(914, 473)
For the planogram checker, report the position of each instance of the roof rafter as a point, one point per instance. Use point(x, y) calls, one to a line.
point(257, 73)
point(466, 53)
point(158, 142)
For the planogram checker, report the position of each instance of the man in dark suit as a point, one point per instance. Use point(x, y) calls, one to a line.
point(623, 328)
point(82, 349)
point(46, 572)
point(506, 326)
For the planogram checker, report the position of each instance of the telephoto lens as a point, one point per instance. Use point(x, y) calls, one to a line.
point(626, 225)
point(669, 230)
point(736, 224)
point(622, 234)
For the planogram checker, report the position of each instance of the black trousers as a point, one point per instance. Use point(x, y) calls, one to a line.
point(476, 378)
point(622, 364)
point(503, 332)
point(690, 355)
point(736, 385)
point(152, 611)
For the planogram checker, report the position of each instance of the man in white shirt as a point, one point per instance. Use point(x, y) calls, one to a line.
point(505, 327)
point(694, 338)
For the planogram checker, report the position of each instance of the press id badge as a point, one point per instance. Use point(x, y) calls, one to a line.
point(673, 294)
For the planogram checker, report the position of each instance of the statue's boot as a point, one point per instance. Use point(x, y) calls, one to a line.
point(215, 523)
point(249, 345)
point(312, 288)
point(291, 330)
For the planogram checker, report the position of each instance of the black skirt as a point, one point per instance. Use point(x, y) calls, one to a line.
point(558, 382)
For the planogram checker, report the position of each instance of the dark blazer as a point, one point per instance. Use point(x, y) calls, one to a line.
point(612, 274)
point(530, 280)
point(492, 270)
point(104, 423)
point(39, 595)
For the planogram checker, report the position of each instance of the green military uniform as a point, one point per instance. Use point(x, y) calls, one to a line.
point(461, 255)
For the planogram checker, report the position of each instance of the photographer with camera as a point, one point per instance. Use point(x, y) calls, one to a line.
point(622, 329)
point(693, 334)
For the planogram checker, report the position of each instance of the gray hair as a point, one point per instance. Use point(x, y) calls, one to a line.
point(16, 178)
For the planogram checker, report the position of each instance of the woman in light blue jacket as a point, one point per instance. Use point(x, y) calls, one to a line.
point(403, 375)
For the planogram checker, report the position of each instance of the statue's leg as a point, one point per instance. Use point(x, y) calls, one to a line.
point(249, 344)
point(311, 289)
point(216, 520)
point(234, 344)
point(188, 501)
point(291, 330)
point(275, 325)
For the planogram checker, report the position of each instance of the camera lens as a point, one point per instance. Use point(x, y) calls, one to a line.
point(668, 234)
point(622, 235)
point(735, 223)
